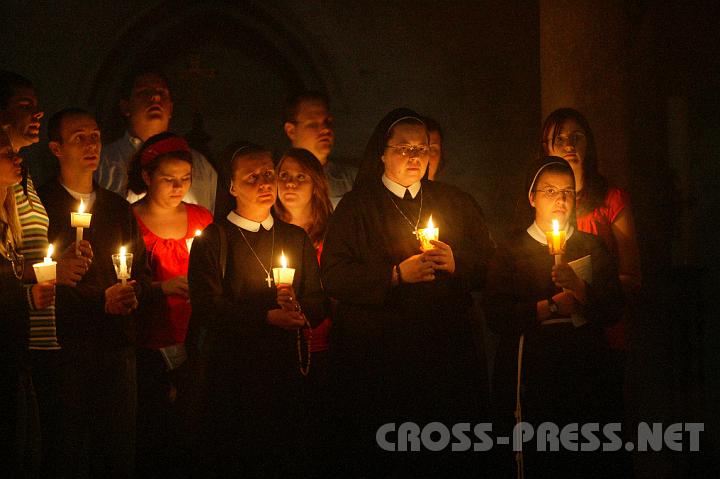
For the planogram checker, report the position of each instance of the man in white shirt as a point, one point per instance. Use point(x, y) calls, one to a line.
point(147, 104)
point(309, 125)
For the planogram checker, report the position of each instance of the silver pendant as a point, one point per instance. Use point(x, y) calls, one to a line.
point(269, 280)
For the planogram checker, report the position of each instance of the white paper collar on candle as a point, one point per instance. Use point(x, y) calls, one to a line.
point(538, 234)
point(250, 225)
point(398, 189)
point(87, 198)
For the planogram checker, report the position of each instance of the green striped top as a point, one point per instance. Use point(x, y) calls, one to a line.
point(34, 223)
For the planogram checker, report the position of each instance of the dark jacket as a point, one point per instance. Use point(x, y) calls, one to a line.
point(80, 310)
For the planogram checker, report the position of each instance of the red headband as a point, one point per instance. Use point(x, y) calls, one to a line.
point(168, 145)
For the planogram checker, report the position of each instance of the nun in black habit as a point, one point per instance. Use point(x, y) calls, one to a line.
point(402, 344)
point(550, 317)
point(252, 350)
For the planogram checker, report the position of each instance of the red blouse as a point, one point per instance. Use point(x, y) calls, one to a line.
point(169, 258)
point(599, 223)
point(320, 333)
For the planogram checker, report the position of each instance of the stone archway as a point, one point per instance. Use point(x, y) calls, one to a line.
point(234, 64)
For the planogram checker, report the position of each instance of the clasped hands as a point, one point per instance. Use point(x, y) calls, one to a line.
point(422, 267)
point(288, 316)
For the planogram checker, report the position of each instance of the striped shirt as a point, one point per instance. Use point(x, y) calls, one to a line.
point(34, 223)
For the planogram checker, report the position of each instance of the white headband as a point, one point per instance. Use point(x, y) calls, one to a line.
point(540, 171)
point(409, 117)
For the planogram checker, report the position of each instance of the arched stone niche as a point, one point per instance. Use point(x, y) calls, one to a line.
point(233, 64)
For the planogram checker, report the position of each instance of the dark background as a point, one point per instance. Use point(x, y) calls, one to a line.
point(646, 74)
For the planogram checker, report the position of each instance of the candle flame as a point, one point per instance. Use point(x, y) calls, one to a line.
point(81, 208)
point(283, 260)
point(430, 223)
point(198, 232)
point(123, 251)
point(51, 250)
point(556, 227)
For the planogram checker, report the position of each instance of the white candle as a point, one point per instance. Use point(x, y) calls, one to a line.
point(79, 220)
point(428, 234)
point(123, 264)
point(189, 241)
point(283, 275)
point(47, 270)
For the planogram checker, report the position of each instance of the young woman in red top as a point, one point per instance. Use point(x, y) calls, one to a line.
point(162, 169)
point(601, 209)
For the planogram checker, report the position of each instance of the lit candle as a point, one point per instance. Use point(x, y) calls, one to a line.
point(556, 241)
point(123, 264)
point(46, 270)
point(189, 241)
point(431, 233)
point(283, 275)
point(79, 220)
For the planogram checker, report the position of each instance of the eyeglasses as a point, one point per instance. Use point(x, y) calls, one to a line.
point(571, 139)
point(411, 151)
point(552, 193)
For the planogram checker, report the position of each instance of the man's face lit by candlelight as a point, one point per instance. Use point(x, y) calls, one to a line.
point(312, 129)
point(150, 103)
point(79, 150)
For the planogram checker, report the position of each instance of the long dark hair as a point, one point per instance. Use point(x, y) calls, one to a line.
point(320, 200)
point(372, 167)
point(595, 186)
point(136, 184)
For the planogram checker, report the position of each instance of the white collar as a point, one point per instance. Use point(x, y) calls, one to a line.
point(538, 234)
point(398, 189)
point(250, 225)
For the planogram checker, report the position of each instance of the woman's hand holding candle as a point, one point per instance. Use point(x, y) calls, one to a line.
point(43, 294)
point(441, 256)
point(416, 269)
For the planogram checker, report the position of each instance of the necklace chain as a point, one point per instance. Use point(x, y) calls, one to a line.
point(269, 278)
point(415, 227)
